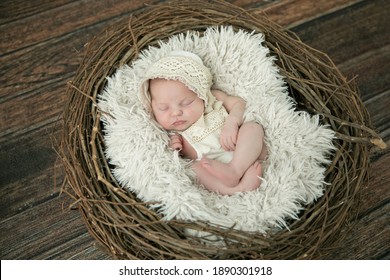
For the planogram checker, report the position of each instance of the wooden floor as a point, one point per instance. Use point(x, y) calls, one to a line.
point(42, 43)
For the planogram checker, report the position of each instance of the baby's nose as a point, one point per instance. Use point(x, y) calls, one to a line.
point(177, 112)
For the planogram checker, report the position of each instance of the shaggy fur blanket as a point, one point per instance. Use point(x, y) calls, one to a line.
point(299, 146)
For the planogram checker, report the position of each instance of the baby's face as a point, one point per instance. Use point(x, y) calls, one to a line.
point(174, 105)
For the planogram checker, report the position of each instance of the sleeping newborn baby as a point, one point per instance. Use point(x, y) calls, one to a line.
point(205, 125)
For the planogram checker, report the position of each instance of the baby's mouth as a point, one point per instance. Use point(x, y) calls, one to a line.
point(177, 123)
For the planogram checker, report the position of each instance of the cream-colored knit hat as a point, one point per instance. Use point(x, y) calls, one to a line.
point(185, 67)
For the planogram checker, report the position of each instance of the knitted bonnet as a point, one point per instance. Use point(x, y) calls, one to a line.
point(185, 67)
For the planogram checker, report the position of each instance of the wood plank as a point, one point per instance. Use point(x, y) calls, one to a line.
point(36, 69)
point(35, 182)
point(39, 83)
point(84, 247)
point(367, 20)
point(252, 4)
point(11, 10)
point(377, 191)
point(378, 107)
point(358, 32)
point(38, 239)
point(368, 238)
point(58, 22)
point(292, 13)
point(365, 70)
point(32, 110)
point(30, 192)
point(29, 171)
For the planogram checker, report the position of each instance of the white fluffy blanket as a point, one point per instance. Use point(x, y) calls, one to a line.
point(298, 145)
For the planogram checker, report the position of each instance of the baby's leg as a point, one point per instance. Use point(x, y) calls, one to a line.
point(221, 171)
point(248, 182)
point(208, 180)
point(249, 148)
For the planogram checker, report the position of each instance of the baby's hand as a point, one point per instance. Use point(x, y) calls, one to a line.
point(176, 142)
point(229, 135)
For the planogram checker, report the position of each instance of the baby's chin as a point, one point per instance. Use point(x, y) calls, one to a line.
point(175, 129)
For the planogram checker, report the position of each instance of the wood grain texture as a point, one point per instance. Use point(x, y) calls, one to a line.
point(62, 20)
point(43, 44)
point(12, 10)
point(295, 12)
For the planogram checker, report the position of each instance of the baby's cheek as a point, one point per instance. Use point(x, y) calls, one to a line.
point(158, 118)
point(163, 121)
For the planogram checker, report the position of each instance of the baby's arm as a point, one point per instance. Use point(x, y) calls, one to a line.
point(235, 106)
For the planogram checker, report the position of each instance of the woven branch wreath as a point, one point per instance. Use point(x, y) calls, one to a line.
point(298, 146)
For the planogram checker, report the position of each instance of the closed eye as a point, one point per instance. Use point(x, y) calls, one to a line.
point(187, 102)
point(162, 108)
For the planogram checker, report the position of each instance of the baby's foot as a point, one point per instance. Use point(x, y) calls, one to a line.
point(223, 171)
point(250, 180)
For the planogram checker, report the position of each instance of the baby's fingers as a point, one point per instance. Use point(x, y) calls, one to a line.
point(176, 142)
point(175, 137)
point(227, 144)
point(176, 146)
point(232, 144)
